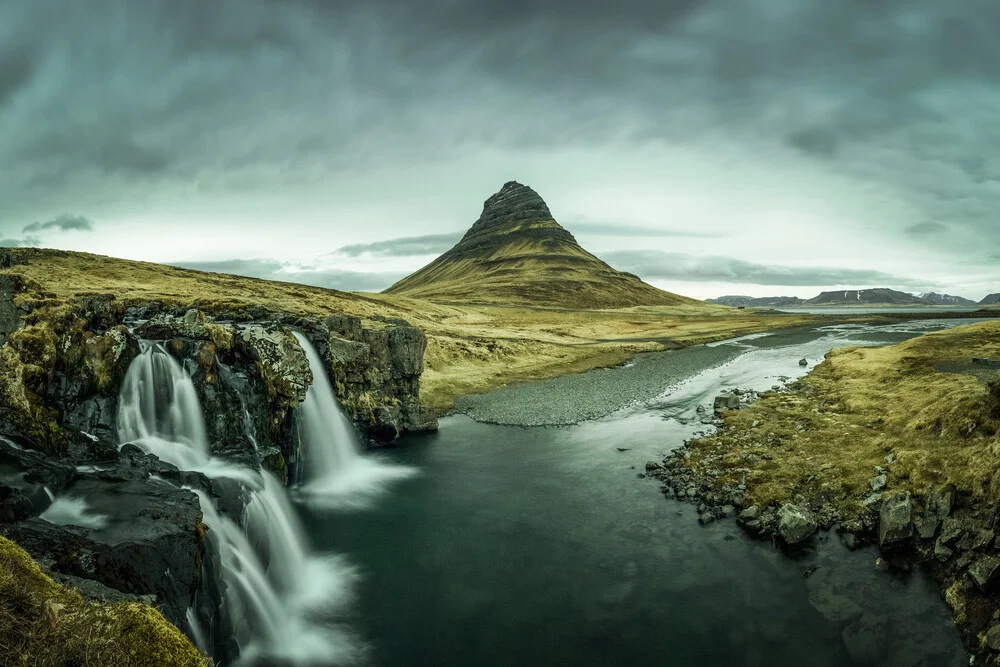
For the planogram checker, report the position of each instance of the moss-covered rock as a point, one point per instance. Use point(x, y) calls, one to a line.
point(280, 360)
point(45, 623)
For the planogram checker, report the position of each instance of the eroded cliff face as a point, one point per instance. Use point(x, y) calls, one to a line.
point(61, 369)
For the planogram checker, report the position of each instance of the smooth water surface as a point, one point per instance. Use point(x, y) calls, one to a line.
point(541, 546)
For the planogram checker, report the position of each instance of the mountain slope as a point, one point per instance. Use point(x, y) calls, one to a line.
point(946, 299)
point(867, 297)
point(990, 300)
point(517, 254)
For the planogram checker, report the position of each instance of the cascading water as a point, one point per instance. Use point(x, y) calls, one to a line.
point(280, 601)
point(159, 410)
point(332, 471)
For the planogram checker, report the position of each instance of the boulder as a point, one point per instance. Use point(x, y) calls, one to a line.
point(939, 504)
point(992, 638)
point(878, 483)
point(985, 571)
point(751, 513)
point(976, 540)
point(951, 531)
point(725, 402)
point(927, 526)
point(803, 362)
point(14, 505)
point(895, 525)
point(795, 523)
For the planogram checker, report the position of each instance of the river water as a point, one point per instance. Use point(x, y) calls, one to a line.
point(540, 545)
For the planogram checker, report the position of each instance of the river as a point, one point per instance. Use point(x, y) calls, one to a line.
point(541, 545)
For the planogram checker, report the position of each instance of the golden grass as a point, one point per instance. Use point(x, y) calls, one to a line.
point(860, 406)
point(471, 348)
point(45, 623)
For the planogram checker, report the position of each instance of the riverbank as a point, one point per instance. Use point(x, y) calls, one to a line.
point(894, 446)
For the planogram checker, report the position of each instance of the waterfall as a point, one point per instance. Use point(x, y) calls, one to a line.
point(281, 602)
point(159, 410)
point(333, 472)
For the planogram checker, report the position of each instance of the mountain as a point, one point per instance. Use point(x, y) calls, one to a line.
point(867, 297)
point(991, 300)
point(516, 253)
point(757, 302)
point(946, 299)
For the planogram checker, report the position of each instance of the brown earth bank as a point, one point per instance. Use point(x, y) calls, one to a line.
point(896, 447)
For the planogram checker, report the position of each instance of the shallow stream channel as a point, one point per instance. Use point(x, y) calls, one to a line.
point(527, 537)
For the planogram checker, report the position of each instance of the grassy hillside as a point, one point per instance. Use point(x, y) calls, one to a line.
point(471, 347)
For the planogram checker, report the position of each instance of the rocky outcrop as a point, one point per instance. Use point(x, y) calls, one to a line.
point(144, 537)
point(11, 317)
point(795, 523)
point(895, 525)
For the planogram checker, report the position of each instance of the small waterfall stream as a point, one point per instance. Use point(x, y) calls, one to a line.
point(333, 471)
point(281, 602)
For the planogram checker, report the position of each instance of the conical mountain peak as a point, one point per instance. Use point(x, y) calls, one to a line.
point(516, 253)
point(513, 203)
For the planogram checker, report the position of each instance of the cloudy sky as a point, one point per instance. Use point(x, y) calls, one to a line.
point(711, 146)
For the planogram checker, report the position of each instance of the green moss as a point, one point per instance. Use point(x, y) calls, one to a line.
point(45, 623)
point(275, 462)
point(221, 335)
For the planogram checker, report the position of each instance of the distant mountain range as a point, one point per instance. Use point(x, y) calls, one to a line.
point(867, 297)
point(946, 299)
point(847, 298)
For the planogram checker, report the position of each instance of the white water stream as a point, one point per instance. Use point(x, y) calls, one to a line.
point(334, 473)
point(282, 601)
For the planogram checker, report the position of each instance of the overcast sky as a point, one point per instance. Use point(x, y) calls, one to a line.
point(711, 146)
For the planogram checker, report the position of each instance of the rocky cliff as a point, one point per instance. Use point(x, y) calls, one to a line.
point(62, 363)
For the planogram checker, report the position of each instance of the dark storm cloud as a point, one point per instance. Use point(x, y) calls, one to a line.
point(655, 264)
point(280, 271)
point(102, 100)
point(407, 246)
point(63, 223)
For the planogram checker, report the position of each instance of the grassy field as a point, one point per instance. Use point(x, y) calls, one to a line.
point(471, 348)
point(921, 403)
